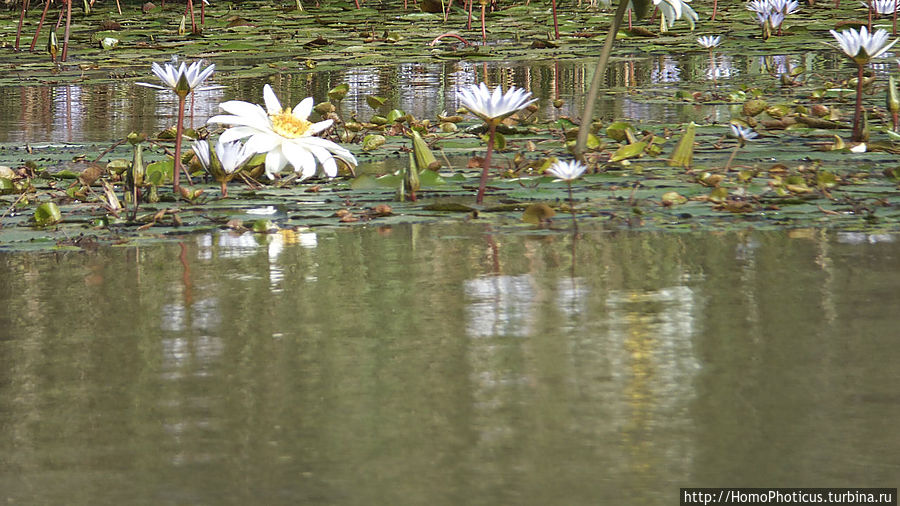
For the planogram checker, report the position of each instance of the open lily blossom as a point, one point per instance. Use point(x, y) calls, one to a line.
point(671, 10)
point(567, 171)
point(743, 134)
point(709, 42)
point(494, 106)
point(182, 79)
point(784, 6)
point(861, 46)
point(882, 7)
point(286, 135)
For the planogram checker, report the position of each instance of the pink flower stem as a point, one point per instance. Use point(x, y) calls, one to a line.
point(572, 209)
point(857, 118)
point(483, 29)
point(492, 128)
point(179, 131)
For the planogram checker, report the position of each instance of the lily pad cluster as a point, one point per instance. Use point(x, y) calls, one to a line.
point(794, 166)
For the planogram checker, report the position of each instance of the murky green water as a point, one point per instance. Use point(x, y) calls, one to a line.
point(446, 365)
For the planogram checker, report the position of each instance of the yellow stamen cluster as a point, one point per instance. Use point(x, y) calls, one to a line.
point(287, 125)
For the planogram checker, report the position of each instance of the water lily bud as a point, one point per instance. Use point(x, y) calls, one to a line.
point(753, 107)
point(820, 111)
point(324, 108)
point(892, 101)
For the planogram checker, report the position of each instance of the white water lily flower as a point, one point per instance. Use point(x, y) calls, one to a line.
point(182, 79)
point(567, 171)
point(709, 42)
point(882, 7)
point(759, 6)
point(494, 106)
point(231, 155)
point(861, 46)
point(743, 134)
point(775, 19)
point(285, 135)
point(670, 10)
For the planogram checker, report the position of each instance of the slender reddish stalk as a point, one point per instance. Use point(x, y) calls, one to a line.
point(731, 158)
point(21, 21)
point(469, 22)
point(715, 8)
point(179, 131)
point(857, 118)
point(40, 24)
point(483, 29)
point(870, 16)
point(439, 37)
point(492, 128)
point(224, 189)
point(68, 27)
point(191, 9)
point(894, 30)
point(572, 209)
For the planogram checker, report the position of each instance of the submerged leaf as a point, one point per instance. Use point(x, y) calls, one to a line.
point(537, 213)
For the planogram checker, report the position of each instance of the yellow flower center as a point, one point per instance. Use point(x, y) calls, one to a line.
point(287, 125)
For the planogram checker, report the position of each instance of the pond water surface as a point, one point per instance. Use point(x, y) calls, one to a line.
point(448, 364)
point(109, 111)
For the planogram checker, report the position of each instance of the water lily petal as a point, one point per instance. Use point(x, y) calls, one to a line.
point(303, 109)
point(275, 161)
point(273, 106)
point(301, 158)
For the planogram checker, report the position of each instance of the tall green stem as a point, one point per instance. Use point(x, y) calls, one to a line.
point(857, 118)
point(492, 128)
point(588, 115)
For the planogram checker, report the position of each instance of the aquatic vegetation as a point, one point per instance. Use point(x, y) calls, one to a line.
point(709, 42)
point(743, 135)
point(673, 10)
point(285, 135)
point(224, 161)
point(492, 108)
point(568, 171)
point(861, 46)
point(770, 14)
point(183, 80)
point(785, 90)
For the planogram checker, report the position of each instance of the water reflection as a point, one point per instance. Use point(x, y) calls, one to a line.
point(501, 306)
point(103, 113)
point(384, 366)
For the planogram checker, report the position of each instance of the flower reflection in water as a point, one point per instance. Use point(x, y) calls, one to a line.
point(500, 306)
point(864, 238)
point(665, 70)
point(571, 299)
